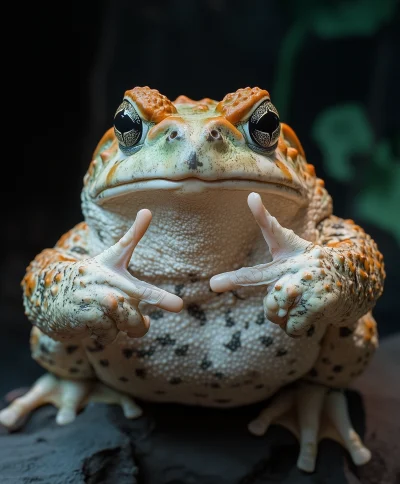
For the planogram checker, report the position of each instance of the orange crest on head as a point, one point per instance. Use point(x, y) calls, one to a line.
point(236, 105)
point(152, 105)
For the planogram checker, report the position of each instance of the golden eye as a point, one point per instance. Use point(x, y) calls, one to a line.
point(264, 126)
point(128, 126)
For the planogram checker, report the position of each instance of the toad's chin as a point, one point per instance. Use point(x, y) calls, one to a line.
point(192, 185)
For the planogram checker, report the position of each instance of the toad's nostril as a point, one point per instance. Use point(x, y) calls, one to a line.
point(215, 134)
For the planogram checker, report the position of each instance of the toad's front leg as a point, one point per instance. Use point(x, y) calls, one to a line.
point(70, 299)
point(306, 283)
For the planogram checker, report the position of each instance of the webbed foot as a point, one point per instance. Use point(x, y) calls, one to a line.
point(69, 396)
point(312, 412)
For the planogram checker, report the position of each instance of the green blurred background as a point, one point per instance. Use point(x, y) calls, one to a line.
point(331, 67)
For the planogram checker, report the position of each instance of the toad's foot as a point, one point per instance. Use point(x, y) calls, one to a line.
point(69, 396)
point(312, 413)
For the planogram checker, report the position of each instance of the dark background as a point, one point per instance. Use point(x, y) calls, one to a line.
point(332, 69)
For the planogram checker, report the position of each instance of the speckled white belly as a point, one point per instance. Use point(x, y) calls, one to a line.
point(220, 353)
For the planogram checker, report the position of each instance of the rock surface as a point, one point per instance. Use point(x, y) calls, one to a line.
point(174, 444)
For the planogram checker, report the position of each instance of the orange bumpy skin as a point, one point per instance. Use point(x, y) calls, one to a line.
point(237, 105)
point(152, 105)
point(49, 273)
point(291, 288)
point(357, 254)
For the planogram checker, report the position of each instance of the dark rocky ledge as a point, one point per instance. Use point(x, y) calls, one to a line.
point(173, 444)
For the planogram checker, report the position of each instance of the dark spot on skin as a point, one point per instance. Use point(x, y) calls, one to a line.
point(228, 319)
point(198, 313)
point(178, 289)
point(127, 352)
point(95, 348)
point(219, 375)
point(104, 363)
point(141, 373)
point(260, 319)
point(359, 359)
point(326, 361)
point(157, 314)
point(193, 277)
point(71, 349)
point(205, 363)
point(215, 385)
point(258, 387)
point(123, 379)
point(313, 372)
point(143, 353)
point(182, 350)
point(222, 400)
point(100, 235)
point(166, 340)
point(79, 250)
point(311, 330)
point(266, 340)
point(73, 370)
point(200, 395)
point(337, 368)
point(175, 381)
point(281, 352)
point(291, 372)
point(44, 349)
point(160, 392)
point(235, 343)
point(193, 161)
point(344, 331)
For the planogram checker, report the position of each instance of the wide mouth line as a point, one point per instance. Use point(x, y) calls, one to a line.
point(201, 180)
point(288, 191)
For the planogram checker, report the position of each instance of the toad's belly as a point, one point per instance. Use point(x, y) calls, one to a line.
point(220, 357)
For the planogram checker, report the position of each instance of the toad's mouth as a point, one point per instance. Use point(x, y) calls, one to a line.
point(189, 185)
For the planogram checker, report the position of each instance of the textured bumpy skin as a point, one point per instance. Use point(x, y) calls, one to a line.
point(263, 305)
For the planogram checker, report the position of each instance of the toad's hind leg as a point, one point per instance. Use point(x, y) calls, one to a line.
point(69, 391)
point(312, 412)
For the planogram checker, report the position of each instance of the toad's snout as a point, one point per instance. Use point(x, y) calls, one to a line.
point(198, 133)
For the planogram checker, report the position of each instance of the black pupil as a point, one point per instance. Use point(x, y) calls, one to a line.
point(267, 123)
point(124, 123)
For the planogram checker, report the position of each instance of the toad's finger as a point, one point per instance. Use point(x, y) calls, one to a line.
point(143, 291)
point(281, 242)
point(118, 256)
point(246, 276)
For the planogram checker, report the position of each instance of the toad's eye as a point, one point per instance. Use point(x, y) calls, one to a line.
point(264, 126)
point(128, 126)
